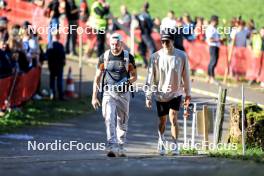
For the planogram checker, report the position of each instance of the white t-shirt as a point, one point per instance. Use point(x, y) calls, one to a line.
point(168, 76)
point(212, 33)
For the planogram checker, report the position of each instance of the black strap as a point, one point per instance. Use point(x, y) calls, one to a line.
point(132, 90)
point(103, 83)
point(111, 75)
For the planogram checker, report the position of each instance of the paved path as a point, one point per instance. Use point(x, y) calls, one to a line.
point(16, 159)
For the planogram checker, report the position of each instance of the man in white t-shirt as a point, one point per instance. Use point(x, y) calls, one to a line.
point(168, 80)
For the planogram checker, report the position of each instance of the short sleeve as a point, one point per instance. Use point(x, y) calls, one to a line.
point(233, 34)
point(132, 60)
point(100, 61)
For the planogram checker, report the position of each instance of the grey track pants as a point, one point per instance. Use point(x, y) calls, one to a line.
point(115, 110)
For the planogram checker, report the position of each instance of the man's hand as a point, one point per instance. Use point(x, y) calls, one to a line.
point(187, 101)
point(97, 78)
point(148, 104)
point(96, 103)
point(186, 104)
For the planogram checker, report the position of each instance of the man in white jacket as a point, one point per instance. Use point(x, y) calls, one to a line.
point(168, 78)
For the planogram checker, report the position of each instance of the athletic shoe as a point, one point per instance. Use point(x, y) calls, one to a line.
point(175, 149)
point(161, 147)
point(111, 154)
point(37, 97)
point(112, 151)
point(121, 151)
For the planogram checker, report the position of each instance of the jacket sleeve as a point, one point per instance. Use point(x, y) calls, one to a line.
point(150, 78)
point(101, 12)
point(186, 77)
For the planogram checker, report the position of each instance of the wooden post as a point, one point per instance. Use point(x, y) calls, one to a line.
point(229, 57)
point(219, 115)
point(205, 126)
point(199, 120)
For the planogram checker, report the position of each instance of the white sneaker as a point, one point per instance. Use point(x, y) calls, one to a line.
point(121, 151)
point(45, 93)
point(37, 97)
point(161, 147)
point(51, 96)
point(175, 149)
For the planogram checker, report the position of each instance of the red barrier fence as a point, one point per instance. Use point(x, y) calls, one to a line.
point(5, 86)
point(243, 60)
point(24, 88)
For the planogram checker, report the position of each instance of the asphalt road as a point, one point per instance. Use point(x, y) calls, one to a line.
point(16, 159)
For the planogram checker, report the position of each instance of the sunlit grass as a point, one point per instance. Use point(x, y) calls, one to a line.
point(43, 112)
point(251, 153)
point(226, 9)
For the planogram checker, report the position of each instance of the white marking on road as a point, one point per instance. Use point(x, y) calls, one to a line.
point(17, 136)
point(5, 143)
point(211, 94)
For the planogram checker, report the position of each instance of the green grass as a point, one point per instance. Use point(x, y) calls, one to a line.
point(184, 151)
point(43, 112)
point(226, 9)
point(252, 153)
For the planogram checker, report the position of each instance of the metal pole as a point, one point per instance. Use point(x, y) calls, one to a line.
point(132, 36)
point(194, 124)
point(185, 129)
point(243, 119)
point(7, 102)
point(80, 64)
point(217, 112)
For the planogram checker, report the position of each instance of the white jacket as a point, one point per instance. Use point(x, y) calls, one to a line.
point(168, 76)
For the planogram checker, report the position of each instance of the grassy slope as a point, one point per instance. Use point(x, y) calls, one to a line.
point(252, 153)
point(224, 8)
point(43, 112)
